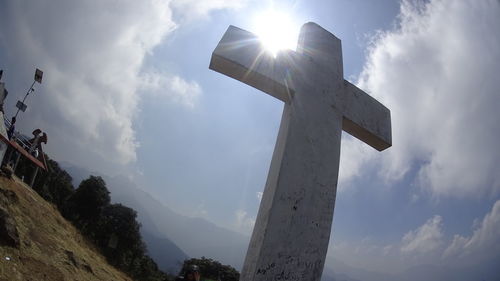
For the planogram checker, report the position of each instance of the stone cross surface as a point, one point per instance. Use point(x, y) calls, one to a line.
point(292, 230)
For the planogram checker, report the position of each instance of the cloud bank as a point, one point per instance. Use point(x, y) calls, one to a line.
point(484, 243)
point(424, 239)
point(437, 73)
point(191, 9)
point(428, 245)
point(92, 53)
point(244, 223)
point(172, 87)
point(436, 70)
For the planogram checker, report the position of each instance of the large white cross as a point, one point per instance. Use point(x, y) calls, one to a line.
point(292, 230)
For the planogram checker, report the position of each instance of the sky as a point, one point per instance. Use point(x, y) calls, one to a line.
point(127, 91)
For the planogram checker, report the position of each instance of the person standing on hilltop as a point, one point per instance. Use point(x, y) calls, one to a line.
point(12, 128)
point(35, 140)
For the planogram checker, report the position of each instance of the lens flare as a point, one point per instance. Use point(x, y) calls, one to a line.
point(276, 30)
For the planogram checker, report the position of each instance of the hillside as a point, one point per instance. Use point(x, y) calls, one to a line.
point(48, 247)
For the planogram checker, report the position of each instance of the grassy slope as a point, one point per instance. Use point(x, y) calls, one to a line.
point(51, 248)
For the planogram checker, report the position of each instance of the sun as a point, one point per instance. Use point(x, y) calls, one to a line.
point(276, 30)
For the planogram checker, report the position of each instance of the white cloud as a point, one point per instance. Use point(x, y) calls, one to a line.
point(482, 244)
point(353, 156)
point(172, 87)
point(92, 54)
point(425, 239)
point(200, 211)
point(244, 222)
point(368, 254)
point(189, 9)
point(427, 244)
point(437, 73)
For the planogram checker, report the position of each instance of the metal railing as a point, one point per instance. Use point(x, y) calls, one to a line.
point(21, 139)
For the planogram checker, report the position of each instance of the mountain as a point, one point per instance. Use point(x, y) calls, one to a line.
point(164, 252)
point(171, 237)
point(182, 236)
point(197, 237)
point(37, 243)
point(330, 275)
point(485, 270)
point(343, 271)
point(167, 255)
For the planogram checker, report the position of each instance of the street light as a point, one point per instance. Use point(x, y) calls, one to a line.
point(20, 104)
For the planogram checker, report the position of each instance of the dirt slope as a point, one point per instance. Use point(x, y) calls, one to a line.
point(48, 247)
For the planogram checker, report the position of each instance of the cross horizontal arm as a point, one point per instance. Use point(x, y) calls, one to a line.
point(241, 56)
point(366, 118)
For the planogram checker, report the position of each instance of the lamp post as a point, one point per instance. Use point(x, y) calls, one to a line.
point(20, 104)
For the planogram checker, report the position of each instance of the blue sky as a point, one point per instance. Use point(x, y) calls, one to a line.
point(229, 114)
point(127, 90)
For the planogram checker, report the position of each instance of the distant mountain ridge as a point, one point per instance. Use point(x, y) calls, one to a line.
point(197, 237)
point(171, 237)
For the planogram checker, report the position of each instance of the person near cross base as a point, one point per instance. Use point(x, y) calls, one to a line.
point(192, 273)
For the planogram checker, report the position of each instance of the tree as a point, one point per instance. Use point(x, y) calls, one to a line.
point(118, 235)
point(212, 269)
point(54, 185)
point(147, 270)
point(86, 204)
